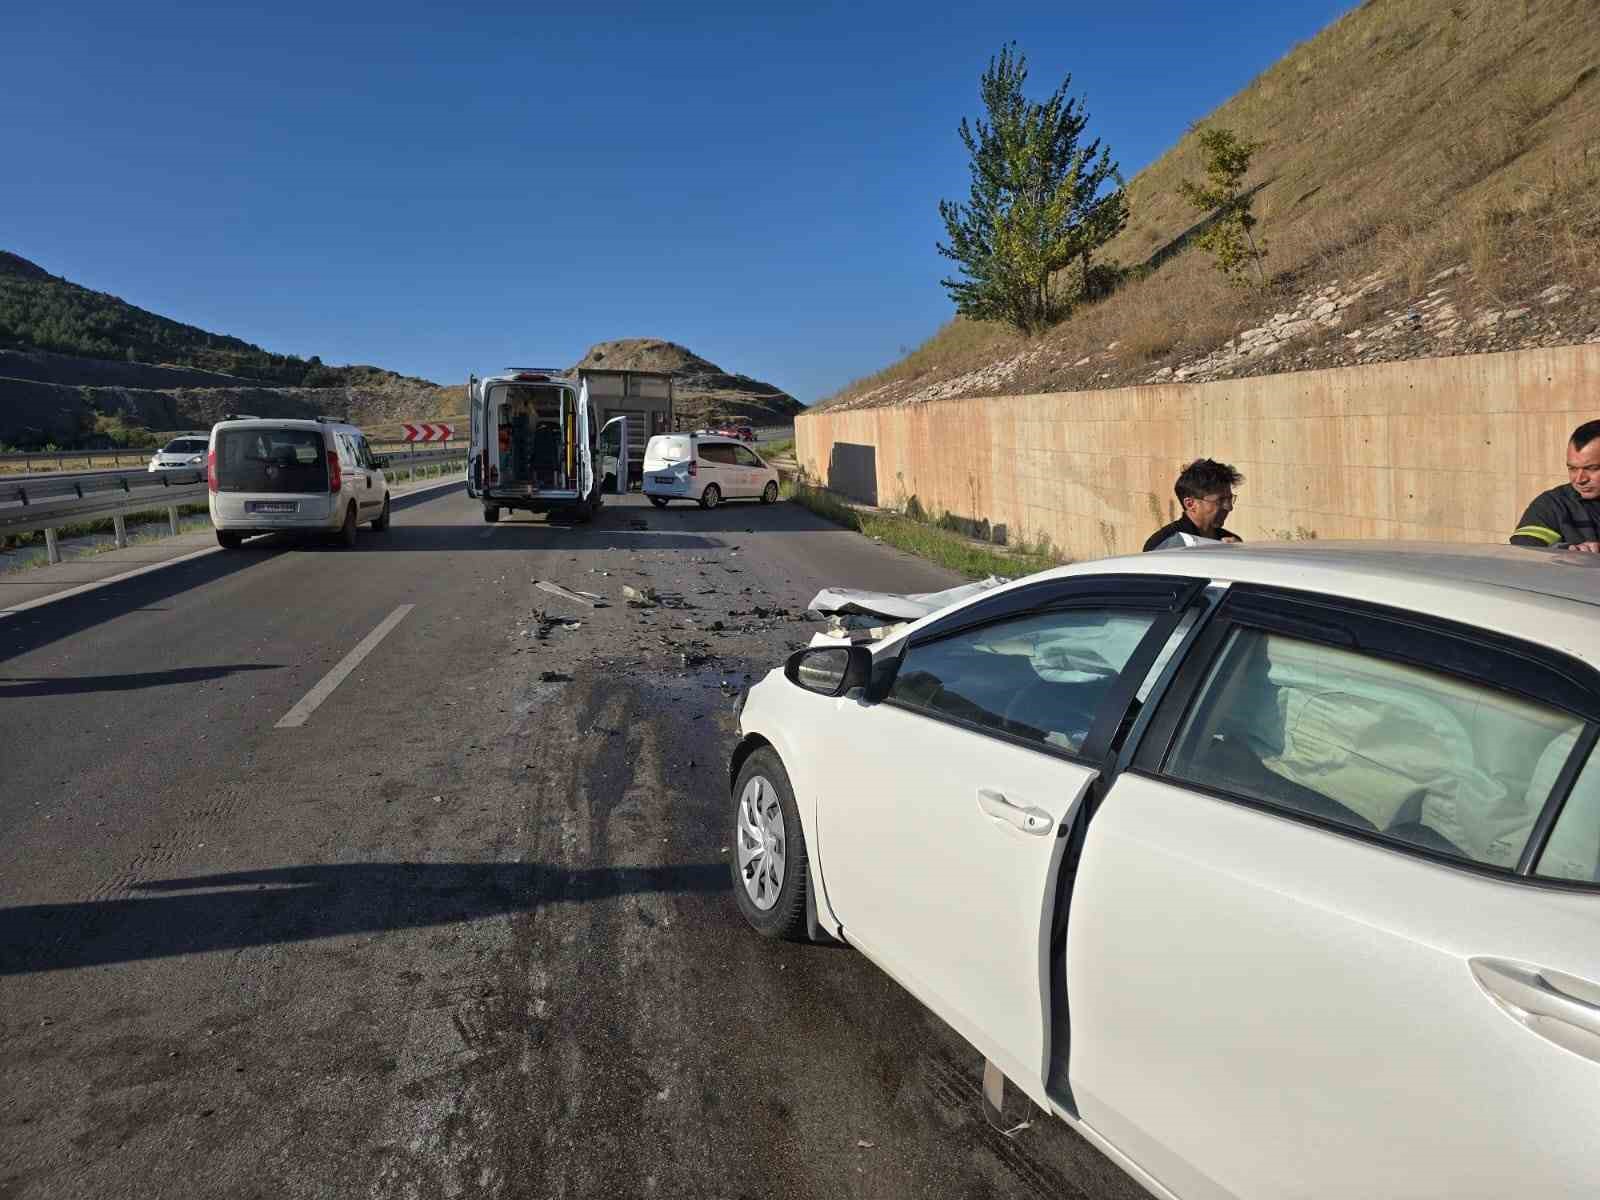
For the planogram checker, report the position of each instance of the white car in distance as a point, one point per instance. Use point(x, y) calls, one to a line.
point(1274, 870)
point(185, 451)
point(707, 469)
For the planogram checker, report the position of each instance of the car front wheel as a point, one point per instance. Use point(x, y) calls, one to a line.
point(380, 523)
point(769, 858)
point(769, 494)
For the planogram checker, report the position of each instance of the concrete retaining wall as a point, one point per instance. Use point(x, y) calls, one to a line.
point(1445, 448)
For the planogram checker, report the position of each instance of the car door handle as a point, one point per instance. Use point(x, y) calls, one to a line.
point(1532, 995)
point(1029, 820)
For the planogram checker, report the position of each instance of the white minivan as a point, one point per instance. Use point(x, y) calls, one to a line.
point(274, 475)
point(705, 468)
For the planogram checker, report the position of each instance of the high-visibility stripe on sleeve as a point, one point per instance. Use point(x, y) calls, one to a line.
point(1548, 536)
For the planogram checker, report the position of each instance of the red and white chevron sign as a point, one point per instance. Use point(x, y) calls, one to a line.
point(427, 433)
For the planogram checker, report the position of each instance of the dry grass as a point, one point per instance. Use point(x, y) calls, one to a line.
point(1409, 135)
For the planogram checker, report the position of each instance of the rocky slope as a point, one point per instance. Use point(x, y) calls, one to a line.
point(701, 389)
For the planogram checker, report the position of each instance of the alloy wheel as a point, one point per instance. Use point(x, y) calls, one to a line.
point(761, 843)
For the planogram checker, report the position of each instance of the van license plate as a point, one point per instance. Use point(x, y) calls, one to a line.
point(665, 479)
point(272, 506)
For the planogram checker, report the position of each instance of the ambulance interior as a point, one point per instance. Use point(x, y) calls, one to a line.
point(537, 437)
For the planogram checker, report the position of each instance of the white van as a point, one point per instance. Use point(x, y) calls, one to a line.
point(706, 468)
point(271, 475)
point(535, 445)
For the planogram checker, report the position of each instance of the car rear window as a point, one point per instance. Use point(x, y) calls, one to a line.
point(271, 460)
point(1411, 754)
point(668, 449)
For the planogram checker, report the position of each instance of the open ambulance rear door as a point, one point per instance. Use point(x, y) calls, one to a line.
point(475, 435)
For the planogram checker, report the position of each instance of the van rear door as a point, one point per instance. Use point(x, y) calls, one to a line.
point(475, 456)
point(586, 418)
point(613, 443)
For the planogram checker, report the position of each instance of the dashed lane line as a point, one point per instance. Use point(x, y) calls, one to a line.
point(297, 715)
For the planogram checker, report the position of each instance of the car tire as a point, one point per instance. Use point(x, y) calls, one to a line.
point(491, 513)
point(347, 531)
point(711, 497)
point(769, 494)
point(769, 862)
point(229, 541)
point(380, 523)
point(659, 501)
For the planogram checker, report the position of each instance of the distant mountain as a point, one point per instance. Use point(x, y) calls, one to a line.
point(82, 368)
point(41, 311)
point(701, 389)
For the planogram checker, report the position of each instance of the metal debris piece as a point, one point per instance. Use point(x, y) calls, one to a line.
point(590, 599)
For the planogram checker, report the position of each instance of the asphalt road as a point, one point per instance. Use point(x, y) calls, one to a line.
point(466, 931)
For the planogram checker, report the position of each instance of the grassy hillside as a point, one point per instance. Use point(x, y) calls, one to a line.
point(40, 311)
point(1409, 137)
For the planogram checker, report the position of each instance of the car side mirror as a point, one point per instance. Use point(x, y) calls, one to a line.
point(829, 670)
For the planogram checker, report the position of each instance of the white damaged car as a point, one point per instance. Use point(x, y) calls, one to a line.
point(1273, 870)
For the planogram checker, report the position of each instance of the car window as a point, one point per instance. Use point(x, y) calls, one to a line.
point(1412, 754)
point(1573, 851)
point(364, 454)
point(745, 458)
point(668, 449)
point(717, 454)
point(1041, 677)
point(271, 460)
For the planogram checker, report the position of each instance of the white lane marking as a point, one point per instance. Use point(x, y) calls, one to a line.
point(297, 715)
point(97, 584)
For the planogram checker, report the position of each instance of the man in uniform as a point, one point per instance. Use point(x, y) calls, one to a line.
point(1570, 514)
point(1205, 493)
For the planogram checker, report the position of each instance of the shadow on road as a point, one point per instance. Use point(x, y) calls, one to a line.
point(74, 685)
point(293, 904)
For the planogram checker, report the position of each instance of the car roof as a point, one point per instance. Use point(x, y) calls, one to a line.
point(1548, 597)
point(282, 423)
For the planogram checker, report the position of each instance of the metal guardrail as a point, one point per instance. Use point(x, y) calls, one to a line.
point(34, 461)
point(48, 503)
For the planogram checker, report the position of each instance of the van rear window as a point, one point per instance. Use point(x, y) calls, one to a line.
point(271, 460)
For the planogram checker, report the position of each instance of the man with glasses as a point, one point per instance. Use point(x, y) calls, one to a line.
point(1205, 493)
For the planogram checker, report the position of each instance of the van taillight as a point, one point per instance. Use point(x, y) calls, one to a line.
point(335, 476)
point(694, 467)
point(211, 470)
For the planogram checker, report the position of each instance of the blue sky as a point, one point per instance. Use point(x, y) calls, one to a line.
point(444, 188)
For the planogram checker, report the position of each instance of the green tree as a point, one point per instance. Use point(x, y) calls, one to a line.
point(1038, 203)
point(1227, 236)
